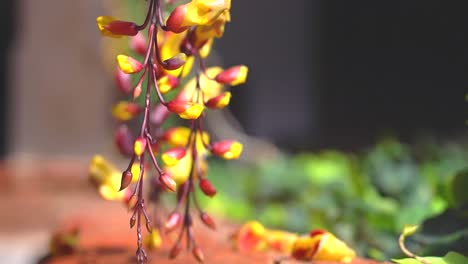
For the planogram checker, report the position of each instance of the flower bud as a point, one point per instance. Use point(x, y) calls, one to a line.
point(140, 146)
point(124, 111)
point(185, 109)
point(123, 81)
point(198, 254)
point(133, 220)
point(233, 76)
point(220, 101)
point(176, 19)
point(138, 89)
point(153, 240)
point(207, 220)
point(128, 64)
point(122, 28)
point(138, 44)
point(128, 194)
point(124, 140)
point(159, 114)
point(175, 62)
point(251, 237)
point(168, 182)
point(132, 201)
point(149, 228)
point(126, 180)
point(176, 136)
point(102, 22)
point(167, 83)
point(172, 156)
point(207, 188)
point(173, 221)
point(196, 13)
point(227, 149)
point(175, 251)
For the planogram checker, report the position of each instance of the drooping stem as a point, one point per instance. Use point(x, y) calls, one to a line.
point(407, 252)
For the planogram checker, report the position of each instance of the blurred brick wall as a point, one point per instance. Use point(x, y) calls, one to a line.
point(61, 95)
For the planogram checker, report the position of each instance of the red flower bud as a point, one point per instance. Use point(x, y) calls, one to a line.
point(233, 76)
point(175, 62)
point(124, 140)
point(207, 220)
point(173, 221)
point(168, 182)
point(198, 254)
point(138, 44)
point(185, 109)
point(220, 101)
point(123, 81)
point(126, 179)
point(172, 156)
point(123, 28)
point(175, 251)
point(207, 188)
point(124, 111)
point(167, 82)
point(128, 64)
point(159, 114)
point(227, 149)
point(176, 18)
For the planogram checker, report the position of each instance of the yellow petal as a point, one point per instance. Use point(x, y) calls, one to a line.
point(210, 87)
point(333, 249)
point(251, 237)
point(193, 111)
point(181, 171)
point(102, 22)
point(153, 240)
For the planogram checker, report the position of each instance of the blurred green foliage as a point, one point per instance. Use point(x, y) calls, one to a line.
point(365, 199)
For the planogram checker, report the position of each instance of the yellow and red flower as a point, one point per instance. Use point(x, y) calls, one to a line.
point(196, 13)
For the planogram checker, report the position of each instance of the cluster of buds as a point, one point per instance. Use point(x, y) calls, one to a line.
point(318, 245)
point(171, 45)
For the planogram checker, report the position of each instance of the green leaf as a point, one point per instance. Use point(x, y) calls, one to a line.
point(455, 258)
point(459, 186)
point(450, 258)
point(432, 260)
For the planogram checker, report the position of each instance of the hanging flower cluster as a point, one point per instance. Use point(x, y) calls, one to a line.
point(175, 44)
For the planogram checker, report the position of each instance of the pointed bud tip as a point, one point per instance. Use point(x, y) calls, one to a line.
point(125, 180)
point(168, 182)
point(198, 254)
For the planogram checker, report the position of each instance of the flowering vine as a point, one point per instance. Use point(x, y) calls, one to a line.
point(175, 44)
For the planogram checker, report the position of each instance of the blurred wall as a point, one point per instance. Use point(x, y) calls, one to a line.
point(60, 91)
point(7, 25)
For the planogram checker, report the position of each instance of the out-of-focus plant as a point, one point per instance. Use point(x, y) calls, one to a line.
point(449, 258)
point(364, 199)
point(176, 42)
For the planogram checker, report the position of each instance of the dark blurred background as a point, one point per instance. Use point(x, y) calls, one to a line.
point(322, 73)
point(345, 73)
point(7, 12)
